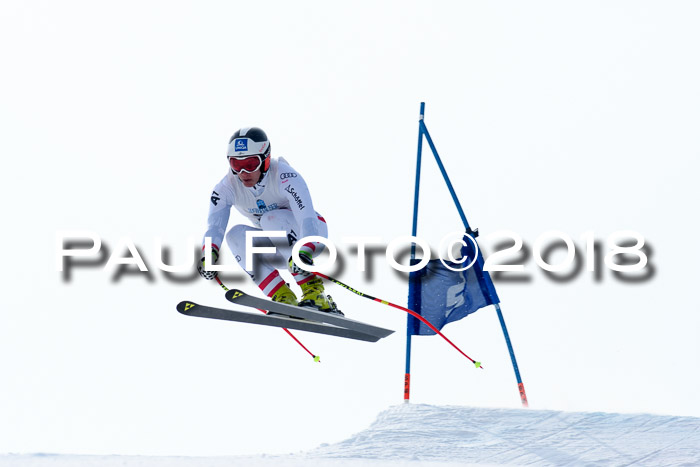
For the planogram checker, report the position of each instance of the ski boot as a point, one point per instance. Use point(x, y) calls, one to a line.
point(284, 295)
point(314, 296)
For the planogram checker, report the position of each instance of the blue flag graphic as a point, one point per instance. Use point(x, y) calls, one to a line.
point(442, 296)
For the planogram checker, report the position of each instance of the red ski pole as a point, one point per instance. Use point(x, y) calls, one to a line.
point(316, 358)
point(411, 312)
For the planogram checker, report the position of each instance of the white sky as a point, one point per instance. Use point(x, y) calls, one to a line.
point(573, 117)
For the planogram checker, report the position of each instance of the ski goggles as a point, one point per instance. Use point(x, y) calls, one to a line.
point(245, 164)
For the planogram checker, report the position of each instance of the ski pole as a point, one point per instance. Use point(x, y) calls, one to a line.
point(411, 312)
point(317, 358)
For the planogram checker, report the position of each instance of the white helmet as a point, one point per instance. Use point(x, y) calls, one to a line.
point(248, 142)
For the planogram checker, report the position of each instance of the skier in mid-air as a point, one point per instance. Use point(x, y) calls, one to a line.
point(273, 196)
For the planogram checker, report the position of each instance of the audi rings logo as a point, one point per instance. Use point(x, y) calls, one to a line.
point(287, 175)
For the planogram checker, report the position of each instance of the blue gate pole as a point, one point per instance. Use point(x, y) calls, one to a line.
point(414, 231)
point(521, 386)
point(424, 131)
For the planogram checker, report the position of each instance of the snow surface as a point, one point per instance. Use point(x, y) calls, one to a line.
point(425, 435)
point(548, 115)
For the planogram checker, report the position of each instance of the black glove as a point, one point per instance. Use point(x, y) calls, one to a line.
point(209, 275)
point(306, 259)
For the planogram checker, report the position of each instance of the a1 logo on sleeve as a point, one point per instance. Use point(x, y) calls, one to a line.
point(241, 145)
point(215, 198)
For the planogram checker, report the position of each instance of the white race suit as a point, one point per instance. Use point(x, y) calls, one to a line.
point(279, 201)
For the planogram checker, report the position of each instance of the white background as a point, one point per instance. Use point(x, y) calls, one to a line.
point(572, 117)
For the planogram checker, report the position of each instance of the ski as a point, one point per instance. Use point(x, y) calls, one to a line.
point(202, 311)
point(241, 298)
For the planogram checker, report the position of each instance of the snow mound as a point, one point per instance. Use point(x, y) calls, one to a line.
point(521, 436)
point(411, 435)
